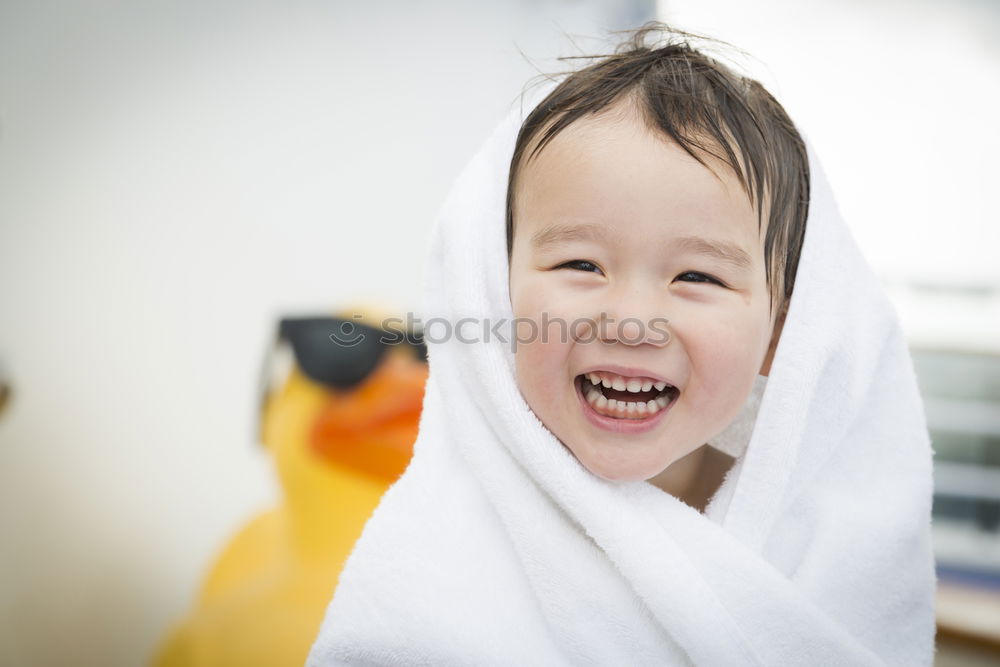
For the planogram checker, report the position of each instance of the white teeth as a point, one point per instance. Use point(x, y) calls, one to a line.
point(620, 383)
point(623, 409)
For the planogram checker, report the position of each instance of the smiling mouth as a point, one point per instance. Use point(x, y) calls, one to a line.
point(637, 402)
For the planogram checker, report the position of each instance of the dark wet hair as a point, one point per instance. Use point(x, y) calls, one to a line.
point(702, 105)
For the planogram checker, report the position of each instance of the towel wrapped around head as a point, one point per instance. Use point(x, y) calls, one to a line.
point(497, 547)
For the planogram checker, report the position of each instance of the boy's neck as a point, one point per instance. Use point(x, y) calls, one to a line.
point(695, 478)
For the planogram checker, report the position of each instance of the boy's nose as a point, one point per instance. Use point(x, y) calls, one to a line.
point(634, 325)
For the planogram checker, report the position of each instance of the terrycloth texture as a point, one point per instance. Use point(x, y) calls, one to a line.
point(497, 547)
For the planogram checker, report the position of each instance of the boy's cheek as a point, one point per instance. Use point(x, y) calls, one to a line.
point(734, 339)
point(538, 379)
point(725, 358)
point(547, 310)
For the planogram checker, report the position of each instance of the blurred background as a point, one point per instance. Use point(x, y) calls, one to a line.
point(175, 176)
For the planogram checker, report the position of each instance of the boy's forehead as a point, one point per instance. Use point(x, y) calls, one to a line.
point(596, 139)
point(611, 129)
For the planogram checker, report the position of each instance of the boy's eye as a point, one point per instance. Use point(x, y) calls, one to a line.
point(580, 265)
point(695, 277)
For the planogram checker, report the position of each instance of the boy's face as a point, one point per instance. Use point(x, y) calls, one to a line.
point(612, 219)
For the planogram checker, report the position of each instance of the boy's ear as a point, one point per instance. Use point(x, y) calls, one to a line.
point(765, 367)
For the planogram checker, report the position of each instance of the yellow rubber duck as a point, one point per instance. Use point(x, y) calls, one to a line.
point(336, 451)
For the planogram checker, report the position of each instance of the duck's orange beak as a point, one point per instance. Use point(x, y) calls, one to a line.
point(372, 428)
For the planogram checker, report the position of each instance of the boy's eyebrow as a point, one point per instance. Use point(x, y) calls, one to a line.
point(556, 234)
point(726, 252)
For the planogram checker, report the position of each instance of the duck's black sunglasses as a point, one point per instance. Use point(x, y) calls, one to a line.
point(341, 353)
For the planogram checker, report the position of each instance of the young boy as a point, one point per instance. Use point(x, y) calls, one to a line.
point(670, 239)
point(668, 225)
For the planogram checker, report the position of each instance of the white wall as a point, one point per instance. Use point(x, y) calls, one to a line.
point(173, 175)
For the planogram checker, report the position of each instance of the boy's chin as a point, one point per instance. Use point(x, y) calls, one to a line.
point(626, 472)
point(667, 465)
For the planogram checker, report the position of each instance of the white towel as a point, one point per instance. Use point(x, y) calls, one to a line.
point(497, 547)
